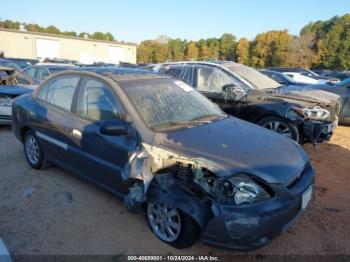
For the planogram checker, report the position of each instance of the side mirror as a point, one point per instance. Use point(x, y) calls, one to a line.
point(234, 92)
point(114, 128)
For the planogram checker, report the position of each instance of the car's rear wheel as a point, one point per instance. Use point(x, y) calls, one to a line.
point(33, 151)
point(281, 126)
point(172, 226)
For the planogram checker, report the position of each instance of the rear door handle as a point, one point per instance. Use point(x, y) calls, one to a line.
point(76, 133)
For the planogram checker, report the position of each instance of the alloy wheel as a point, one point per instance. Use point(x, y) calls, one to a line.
point(165, 221)
point(279, 127)
point(32, 149)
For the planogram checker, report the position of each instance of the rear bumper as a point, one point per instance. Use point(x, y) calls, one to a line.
point(5, 120)
point(317, 131)
point(254, 226)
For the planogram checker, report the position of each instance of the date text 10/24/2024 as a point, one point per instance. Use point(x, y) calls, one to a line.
point(173, 258)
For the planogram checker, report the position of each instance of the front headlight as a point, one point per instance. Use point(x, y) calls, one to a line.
point(244, 190)
point(315, 113)
point(5, 101)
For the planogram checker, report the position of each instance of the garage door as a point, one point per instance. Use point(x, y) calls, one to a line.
point(115, 54)
point(47, 48)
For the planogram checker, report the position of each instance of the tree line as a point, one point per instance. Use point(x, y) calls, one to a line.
point(14, 25)
point(322, 44)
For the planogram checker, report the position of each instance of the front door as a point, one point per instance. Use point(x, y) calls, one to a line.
point(100, 157)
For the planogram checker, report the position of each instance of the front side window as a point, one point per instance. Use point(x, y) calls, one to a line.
point(212, 79)
point(97, 102)
point(60, 91)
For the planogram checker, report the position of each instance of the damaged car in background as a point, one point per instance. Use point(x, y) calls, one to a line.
point(12, 85)
point(167, 150)
point(246, 93)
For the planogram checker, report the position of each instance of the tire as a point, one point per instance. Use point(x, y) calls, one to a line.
point(33, 150)
point(187, 233)
point(281, 126)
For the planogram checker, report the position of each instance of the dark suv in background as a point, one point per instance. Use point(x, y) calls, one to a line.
point(244, 92)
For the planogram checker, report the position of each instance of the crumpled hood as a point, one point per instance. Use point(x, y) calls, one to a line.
point(239, 146)
point(303, 94)
point(311, 93)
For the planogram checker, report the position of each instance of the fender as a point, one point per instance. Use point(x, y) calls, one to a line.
point(166, 188)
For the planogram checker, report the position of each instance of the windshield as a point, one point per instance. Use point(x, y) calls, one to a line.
point(257, 79)
point(168, 103)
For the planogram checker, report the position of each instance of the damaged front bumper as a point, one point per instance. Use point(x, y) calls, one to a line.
point(318, 131)
point(253, 226)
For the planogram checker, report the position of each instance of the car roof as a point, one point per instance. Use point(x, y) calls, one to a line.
point(4, 68)
point(120, 73)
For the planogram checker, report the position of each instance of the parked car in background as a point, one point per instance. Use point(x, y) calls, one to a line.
point(244, 92)
point(10, 64)
point(22, 62)
point(340, 75)
point(299, 77)
point(12, 85)
point(41, 71)
point(341, 88)
point(59, 61)
point(166, 149)
point(282, 78)
point(304, 75)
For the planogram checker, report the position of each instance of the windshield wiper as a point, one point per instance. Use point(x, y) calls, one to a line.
point(193, 122)
point(207, 118)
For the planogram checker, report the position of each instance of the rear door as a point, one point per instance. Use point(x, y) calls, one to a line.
point(52, 115)
point(100, 157)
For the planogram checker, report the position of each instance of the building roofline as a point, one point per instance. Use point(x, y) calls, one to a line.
point(67, 37)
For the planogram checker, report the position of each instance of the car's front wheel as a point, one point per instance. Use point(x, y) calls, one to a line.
point(33, 151)
point(171, 225)
point(281, 126)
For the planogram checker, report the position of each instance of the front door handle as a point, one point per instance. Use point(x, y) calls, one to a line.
point(76, 133)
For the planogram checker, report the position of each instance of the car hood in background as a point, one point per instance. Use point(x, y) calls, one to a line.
point(310, 93)
point(16, 89)
point(238, 146)
point(306, 94)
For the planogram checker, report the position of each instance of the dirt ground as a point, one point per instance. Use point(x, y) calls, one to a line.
point(53, 212)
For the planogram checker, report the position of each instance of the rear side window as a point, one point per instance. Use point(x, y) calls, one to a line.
point(42, 73)
point(97, 102)
point(60, 91)
point(30, 72)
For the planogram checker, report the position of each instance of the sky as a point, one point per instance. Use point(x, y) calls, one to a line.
point(137, 20)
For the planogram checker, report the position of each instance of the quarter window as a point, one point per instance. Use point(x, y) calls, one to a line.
point(97, 102)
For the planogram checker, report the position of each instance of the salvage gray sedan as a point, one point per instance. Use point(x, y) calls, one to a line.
point(167, 150)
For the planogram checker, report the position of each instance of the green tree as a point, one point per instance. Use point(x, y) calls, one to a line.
point(160, 53)
point(202, 50)
point(227, 47)
point(145, 51)
point(52, 30)
point(176, 50)
point(213, 45)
